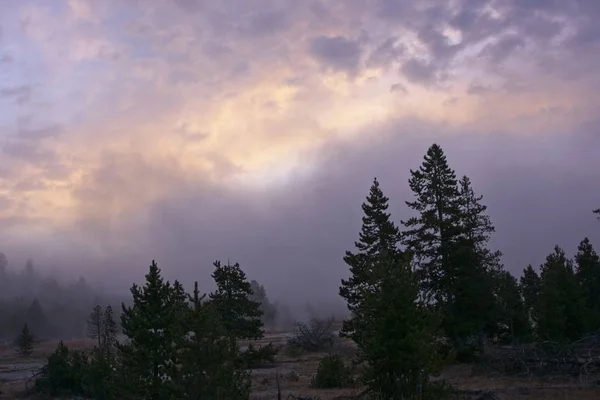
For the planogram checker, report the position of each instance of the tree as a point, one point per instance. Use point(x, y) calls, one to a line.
point(108, 333)
point(25, 342)
point(397, 345)
point(152, 325)
point(94, 325)
point(430, 235)
point(530, 283)
point(562, 311)
point(470, 276)
point(588, 273)
point(240, 316)
point(391, 328)
point(378, 238)
point(259, 295)
point(511, 313)
point(210, 358)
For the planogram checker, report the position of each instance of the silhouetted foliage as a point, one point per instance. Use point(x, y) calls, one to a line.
point(94, 325)
point(25, 342)
point(152, 324)
point(210, 358)
point(530, 283)
point(259, 295)
point(378, 238)
point(562, 310)
point(316, 335)
point(332, 373)
point(587, 264)
point(239, 314)
point(393, 331)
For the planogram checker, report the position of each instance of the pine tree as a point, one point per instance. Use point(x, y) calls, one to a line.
point(396, 336)
point(240, 316)
point(429, 237)
point(530, 283)
point(25, 342)
point(471, 273)
point(511, 313)
point(108, 335)
point(210, 358)
point(152, 325)
point(562, 310)
point(378, 238)
point(94, 325)
point(259, 295)
point(588, 274)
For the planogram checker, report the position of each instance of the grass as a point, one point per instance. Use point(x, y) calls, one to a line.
point(295, 372)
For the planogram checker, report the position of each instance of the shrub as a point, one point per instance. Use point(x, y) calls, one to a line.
point(314, 336)
point(332, 373)
point(254, 357)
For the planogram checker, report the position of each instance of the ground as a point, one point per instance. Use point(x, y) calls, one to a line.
point(295, 372)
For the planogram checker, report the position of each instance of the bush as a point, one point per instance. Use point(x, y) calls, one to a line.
point(314, 336)
point(256, 356)
point(332, 373)
point(62, 373)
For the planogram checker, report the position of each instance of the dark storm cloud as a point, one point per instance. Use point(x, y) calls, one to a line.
point(336, 52)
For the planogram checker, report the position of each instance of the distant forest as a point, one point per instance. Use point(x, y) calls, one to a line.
point(51, 309)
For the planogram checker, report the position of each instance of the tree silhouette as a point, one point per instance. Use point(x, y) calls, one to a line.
point(25, 342)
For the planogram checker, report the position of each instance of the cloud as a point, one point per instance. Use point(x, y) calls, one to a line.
point(18, 94)
point(194, 130)
point(337, 52)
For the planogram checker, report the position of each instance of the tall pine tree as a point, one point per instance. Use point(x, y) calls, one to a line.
point(588, 273)
point(393, 331)
point(378, 238)
point(240, 316)
point(152, 325)
point(562, 314)
point(94, 325)
point(530, 284)
point(430, 235)
point(210, 357)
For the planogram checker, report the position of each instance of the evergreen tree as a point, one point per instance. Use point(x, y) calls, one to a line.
point(240, 316)
point(210, 358)
point(25, 342)
point(530, 284)
point(94, 325)
point(471, 274)
point(562, 310)
point(429, 237)
point(152, 324)
point(397, 343)
point(512, 314)
point(588, 273)
point(108, 335)
point(378, 238)
point(259, 295)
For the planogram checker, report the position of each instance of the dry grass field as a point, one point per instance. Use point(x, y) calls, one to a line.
point(295, 371)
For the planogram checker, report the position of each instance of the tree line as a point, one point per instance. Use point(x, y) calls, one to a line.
point(176, 344)
point(435, 289)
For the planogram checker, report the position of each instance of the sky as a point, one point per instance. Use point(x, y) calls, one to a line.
point(193, 130)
